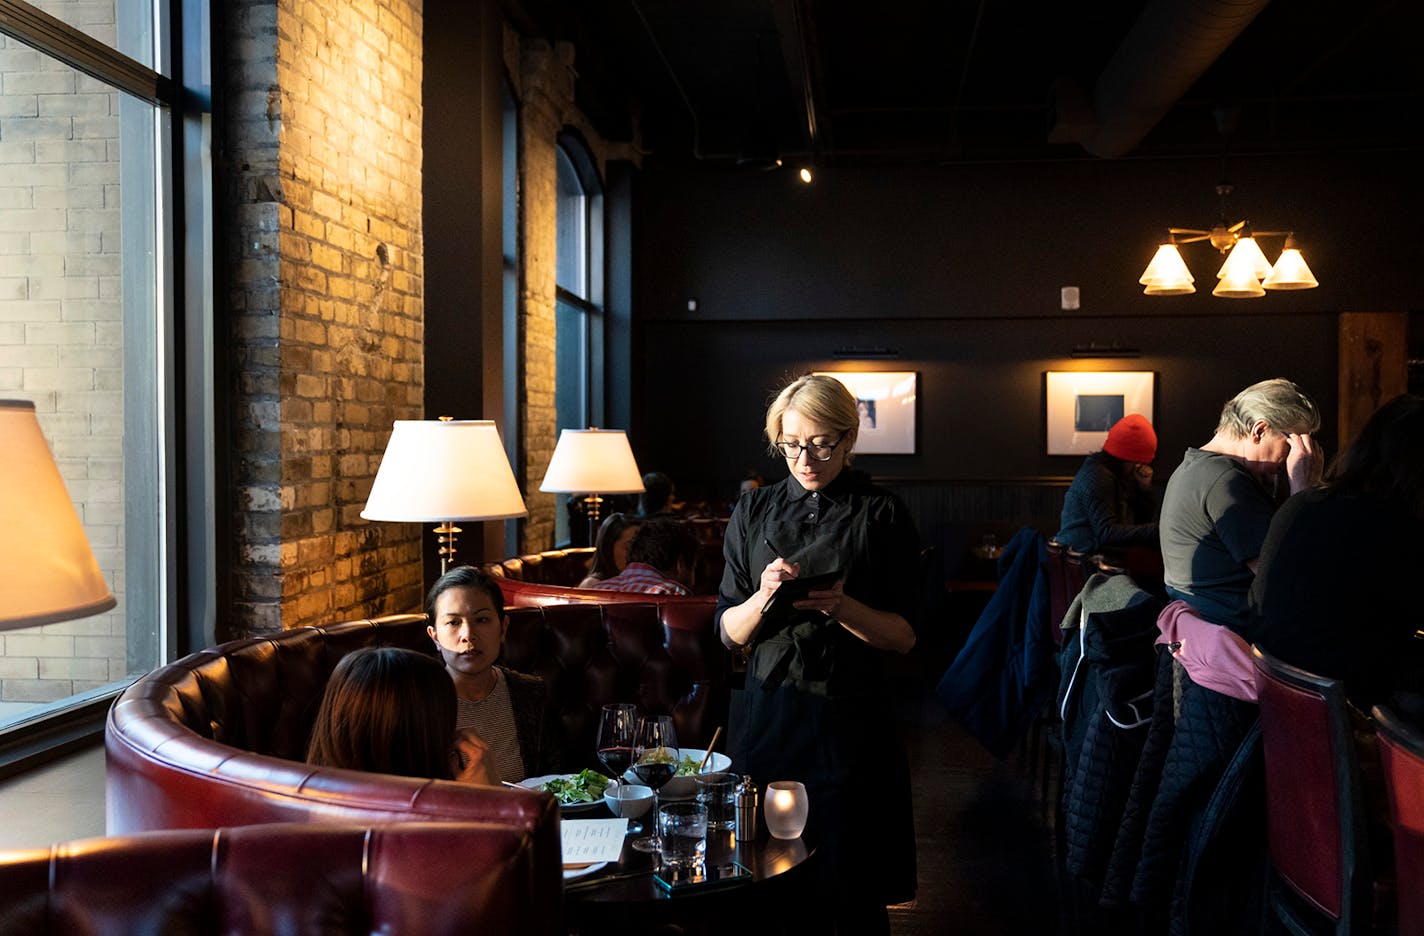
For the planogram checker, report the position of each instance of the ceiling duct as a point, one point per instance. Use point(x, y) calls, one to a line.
point(1168, 49)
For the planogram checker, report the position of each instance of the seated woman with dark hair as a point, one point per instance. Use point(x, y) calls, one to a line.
point(660, 561)
point(1335, 591)
point(389, 710)
point(504, 708)
point(610, 555)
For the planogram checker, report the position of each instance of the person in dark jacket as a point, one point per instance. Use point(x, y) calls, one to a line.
point(1110, 502)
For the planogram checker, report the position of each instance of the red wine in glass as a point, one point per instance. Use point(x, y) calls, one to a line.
point(654, 763)
point(616, 760)
point(655, 773)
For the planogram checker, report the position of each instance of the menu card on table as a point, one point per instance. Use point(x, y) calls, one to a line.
point(587, 841)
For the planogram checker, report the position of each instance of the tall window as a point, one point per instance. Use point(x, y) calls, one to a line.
point(90, 239)
point(509, 225)
point(578, 395)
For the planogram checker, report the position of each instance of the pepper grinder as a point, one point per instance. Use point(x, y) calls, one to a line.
point(746, 810)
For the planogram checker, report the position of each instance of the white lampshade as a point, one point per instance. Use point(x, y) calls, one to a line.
point(1240, 282)
point(592, 461)
point(1246, 253)
point(1290, 272)
point(48, 573)
point(1167, 274)
point(443, 470)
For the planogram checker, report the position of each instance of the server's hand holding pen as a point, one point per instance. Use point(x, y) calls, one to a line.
point(776, 572)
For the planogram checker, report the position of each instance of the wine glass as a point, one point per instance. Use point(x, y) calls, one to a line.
point(654, 763)
point(617, 736)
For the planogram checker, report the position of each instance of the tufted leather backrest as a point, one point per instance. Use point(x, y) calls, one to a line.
point(663, 655)
point(553, 567)
point(218, 739)
point(286, 878)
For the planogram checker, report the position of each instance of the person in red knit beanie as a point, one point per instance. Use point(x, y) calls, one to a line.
point(1110, 504)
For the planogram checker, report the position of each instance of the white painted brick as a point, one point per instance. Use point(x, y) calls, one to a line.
point(75, 105)
point(19, 58)
point(70, 151)
point(111, 287)
point(91, 403)
point(93, 265)
point(18, 667)
point(89, 446)
point(93, 173)
point(78, 196)
point(14, 242)
point(83, 84)
point(111, 469)
point(58, 378)
point(38, 82)
point(95, 128)
point(12, 333)
point(31, 311)
point(34, 690)
point(12, 380)
point(108, 378)
point(27, 265)
point(83, 219)
point(38, 645)
point(65, 334)
point(11, 153)
point(108, 333)
point(66, 243)
point(13, 288)
point(38, 128)
point(74, 668)
point(96, 512)
point(29, 356)
point(62, 287)
point(33, 219)
point(90, 356)
point(19, 105)
point(12, 197)
point(90, 310)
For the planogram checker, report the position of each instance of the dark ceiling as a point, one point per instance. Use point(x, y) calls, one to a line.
point(942, 81)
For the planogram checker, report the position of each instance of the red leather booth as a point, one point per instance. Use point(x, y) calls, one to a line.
point(409, 877)
point(218, 739)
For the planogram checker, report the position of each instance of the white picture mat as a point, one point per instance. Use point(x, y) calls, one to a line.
point(1064, 388)
point(887, 425)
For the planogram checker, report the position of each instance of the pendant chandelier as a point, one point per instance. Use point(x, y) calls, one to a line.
point(1245, 274)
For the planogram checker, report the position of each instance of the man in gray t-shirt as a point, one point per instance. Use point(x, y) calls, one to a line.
point(1219, 502)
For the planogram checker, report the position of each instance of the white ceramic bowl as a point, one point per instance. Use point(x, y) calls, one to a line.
point(634, 802)
point(685, 786)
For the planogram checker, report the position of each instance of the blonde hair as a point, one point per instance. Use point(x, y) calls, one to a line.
point(819, 398)
point(1282, 404)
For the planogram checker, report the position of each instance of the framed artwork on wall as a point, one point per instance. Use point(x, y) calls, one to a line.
point(886, 400)
point(1082, 405)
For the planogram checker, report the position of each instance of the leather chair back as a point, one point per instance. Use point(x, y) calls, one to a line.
point(1065, 580)
point(1401, 751)
point(566, 567)
point(409, 877)
point(1314, 809)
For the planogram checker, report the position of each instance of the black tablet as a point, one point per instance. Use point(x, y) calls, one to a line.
point(792, 590)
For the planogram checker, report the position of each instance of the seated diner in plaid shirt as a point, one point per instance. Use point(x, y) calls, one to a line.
point(660, 561)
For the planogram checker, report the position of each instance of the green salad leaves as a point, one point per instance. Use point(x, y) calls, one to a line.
point(586, 786)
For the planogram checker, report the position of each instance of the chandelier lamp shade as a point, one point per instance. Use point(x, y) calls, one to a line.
point(444, 471)
point(48, 572)
point(1246, 273)
point(592, 462)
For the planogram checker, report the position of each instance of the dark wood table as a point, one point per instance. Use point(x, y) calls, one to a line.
point(626, 900)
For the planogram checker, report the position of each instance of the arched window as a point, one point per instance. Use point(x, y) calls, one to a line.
point(579, 310)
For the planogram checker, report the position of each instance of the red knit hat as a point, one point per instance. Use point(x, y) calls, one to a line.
point(1131, 438)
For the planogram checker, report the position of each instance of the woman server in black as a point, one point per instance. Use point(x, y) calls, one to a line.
point(816, 707)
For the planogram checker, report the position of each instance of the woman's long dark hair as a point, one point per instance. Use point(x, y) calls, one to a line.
point(613, 526)
point(386, 710)
point(1386, 460)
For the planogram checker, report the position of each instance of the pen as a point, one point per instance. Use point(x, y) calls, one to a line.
point(772, 546)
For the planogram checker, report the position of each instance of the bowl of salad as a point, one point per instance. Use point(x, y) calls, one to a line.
point(685, 761)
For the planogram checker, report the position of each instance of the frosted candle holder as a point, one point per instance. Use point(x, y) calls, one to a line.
point(786, 809)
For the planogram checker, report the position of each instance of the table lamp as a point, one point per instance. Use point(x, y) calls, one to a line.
point(592, 462)
point(444, 471)
point(48, 573)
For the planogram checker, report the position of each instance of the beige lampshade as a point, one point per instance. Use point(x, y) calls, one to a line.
point(593, 461)
point(1167, 274)
point(439, 470)
point(48, 573)
point(1240, 282)
point(1290, 272)
point(1247, 253)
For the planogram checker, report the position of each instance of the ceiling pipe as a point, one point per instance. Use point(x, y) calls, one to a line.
point(1171, 45)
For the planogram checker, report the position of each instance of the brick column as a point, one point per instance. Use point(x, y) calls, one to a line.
point(325, 142)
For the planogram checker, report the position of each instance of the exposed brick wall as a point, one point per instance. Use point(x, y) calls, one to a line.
point(327, 302)
point(61, 334)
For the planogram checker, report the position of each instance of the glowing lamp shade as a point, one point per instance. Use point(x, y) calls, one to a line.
point(1245, 255)
point(1290, 272)
point(589, 461)
point(1167, 274)
point(786, 809)
point(48, 573)
point(1240, 282)
point(438, 470)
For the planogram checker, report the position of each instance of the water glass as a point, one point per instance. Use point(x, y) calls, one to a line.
point(682, 834)
point(718, 792)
